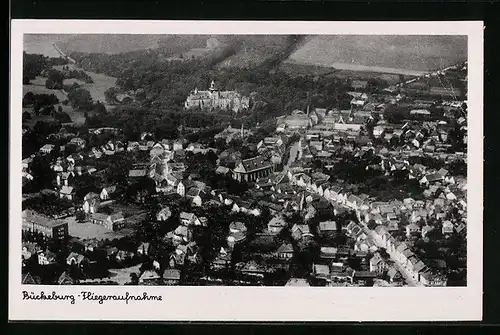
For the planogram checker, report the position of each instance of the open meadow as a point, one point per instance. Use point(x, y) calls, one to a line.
point(407, 55)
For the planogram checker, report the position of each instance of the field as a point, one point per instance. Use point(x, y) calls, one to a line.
point(97, 88)
point(407, 55)
point(109, 43)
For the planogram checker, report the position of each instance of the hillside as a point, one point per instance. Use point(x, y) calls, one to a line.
point(409, 55)
point(108, 43)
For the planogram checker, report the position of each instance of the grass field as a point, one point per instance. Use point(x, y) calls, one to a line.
point(97, 88)
point(408, 55)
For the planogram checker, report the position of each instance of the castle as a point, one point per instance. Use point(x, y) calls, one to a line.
point(213, 98)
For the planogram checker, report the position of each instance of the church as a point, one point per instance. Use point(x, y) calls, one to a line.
point(251, 169)
point(213, 98)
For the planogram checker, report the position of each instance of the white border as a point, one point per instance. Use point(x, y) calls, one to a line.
point(266, 303)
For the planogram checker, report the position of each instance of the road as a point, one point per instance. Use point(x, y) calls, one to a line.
point(294, 152)
point(408, 279)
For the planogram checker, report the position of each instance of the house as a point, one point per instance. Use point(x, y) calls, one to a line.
point(328, 252)
point(429, 279)
point(171, 277)
point(300, 231)
point(189, 219)
point(431, 178)
point(78, 142)
point(67, 192)
point(321, 271)
point(285, 251)
point(195, 195)
point(47, 148)
point(64, 178)
point(365, 278)
point(411, 229)
point(237, 233)
point(108, 192)
point(377, 264)
point(426, 230)
point(359, 84)
point(353, 201)
point(222, 260)
point(182, 234)
point(163, 214)
point(91, 203)
point(276, 224)
point(327, 228)
point(75, 259)
point(143, 249)
point(137, 173)
point(222, 170)
point(394, 275)
point(149, 277)
point(447, 228)
point(341, 273)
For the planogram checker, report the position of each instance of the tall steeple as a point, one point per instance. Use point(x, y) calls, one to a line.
point(242, 131)
point(212, 86)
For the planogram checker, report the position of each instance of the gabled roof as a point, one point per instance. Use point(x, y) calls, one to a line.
point(328, 226)
point(172, 274)
point(285, 247)
point(137, 173)
point(149, 275)
point(253, 164)
point(66, 190)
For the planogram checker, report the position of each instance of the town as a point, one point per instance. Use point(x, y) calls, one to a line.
point(367, 191)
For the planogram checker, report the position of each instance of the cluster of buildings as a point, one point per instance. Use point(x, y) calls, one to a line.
point(321, 230)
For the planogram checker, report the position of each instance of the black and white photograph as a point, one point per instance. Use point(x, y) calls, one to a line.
point(237, 161)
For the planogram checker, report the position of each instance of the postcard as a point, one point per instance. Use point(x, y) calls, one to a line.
point(246, 171)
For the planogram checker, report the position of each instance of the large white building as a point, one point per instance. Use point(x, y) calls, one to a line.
point(213, 98)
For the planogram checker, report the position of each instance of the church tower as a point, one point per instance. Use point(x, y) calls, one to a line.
point(212, 86)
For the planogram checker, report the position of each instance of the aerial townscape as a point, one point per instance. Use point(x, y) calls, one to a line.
point(243, 161)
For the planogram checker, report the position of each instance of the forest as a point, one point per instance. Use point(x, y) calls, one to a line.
point(164, 86)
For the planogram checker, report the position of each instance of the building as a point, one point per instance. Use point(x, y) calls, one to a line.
point(213, 98)
point(112, 222)
point(50, 229)
point(298, 120)
point(107, 192)
point(67, 192)
point(253, 168)
point(47, 148)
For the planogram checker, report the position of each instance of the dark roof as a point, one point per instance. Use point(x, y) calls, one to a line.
point(172, 274)
point(255, 163)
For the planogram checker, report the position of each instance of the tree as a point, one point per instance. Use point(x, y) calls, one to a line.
point(28, 99)
point(33, 65)
point(110, 95)
point(55, 80)
point(372, 224)
point(26, 116)
point(99, 108)
point(80, 98)
point(43, 175)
